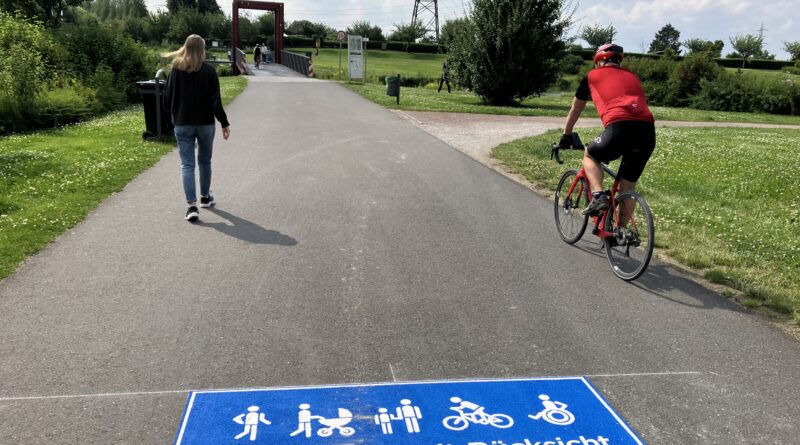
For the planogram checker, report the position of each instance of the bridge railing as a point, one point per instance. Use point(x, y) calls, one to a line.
point(240, 62)
point(296, 62)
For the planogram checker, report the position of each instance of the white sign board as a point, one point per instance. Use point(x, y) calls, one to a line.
point(341, 35)
point(355, 56)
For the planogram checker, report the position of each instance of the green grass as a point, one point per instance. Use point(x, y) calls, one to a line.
point(427, 99)
point(52, 179)
point(766, 74)
point(379, 63)
point(724, 200)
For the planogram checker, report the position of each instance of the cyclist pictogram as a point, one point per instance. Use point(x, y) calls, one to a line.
point(554, 412)
point(477, 415)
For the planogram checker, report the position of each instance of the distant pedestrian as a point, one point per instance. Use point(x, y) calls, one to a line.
point(193, 98)
point(445, 77)
point(257, 55)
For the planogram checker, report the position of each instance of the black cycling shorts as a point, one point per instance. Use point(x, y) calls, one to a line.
point(634, 141)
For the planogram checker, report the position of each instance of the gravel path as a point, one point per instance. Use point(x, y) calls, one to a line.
point(477, 134)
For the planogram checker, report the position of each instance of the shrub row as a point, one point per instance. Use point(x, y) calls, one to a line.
point(51, 78)
point(308, 42)
point(700, 82)
point(588, 54)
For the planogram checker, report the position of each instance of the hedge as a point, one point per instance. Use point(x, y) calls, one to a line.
point(588, 54)
point(308, 42)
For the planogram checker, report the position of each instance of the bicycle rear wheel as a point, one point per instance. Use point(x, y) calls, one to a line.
point(568, 207)
point(630, 251)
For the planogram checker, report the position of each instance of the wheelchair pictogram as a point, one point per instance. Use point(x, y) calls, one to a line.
point(554, 412)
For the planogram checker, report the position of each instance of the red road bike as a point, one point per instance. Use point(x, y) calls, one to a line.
point(628, 246)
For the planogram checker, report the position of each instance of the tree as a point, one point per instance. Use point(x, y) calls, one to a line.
point(309, 29)
point(408, 32)
point(747, 46)
point(365, 29)
point(107, 10)
point(266, 28)
point(156, 28)
point(697, 46)
point(186, 22)
point(509, 50)
point(202, 6)
point(450, 29)
point(666, 38)
point(46, 11)
point(597, 35)
point(793, 48)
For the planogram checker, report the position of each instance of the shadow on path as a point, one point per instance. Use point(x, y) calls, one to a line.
point(247, 231)
point(662, 281)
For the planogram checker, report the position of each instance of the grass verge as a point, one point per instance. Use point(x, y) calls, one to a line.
point(427, 99)
point(724, 202)
point(378, 63)
point(52, 179)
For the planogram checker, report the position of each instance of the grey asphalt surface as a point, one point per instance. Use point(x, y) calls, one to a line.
point(350, 246)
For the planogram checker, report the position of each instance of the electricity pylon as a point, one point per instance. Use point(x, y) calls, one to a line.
point(422, 7)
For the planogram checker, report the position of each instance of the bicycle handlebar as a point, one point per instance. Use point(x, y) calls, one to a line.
point(576, 145)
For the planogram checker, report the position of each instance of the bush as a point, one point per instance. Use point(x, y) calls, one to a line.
point(655, 75)
point(109, 95)
point(571, 64)
point(741, 92)
point(90, 45)
point(687, 77)
point(63, 106)
point(223, 70)
point(23, 69)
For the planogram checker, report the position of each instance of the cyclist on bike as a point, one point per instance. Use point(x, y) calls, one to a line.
point(257, 55)
point(629, 125)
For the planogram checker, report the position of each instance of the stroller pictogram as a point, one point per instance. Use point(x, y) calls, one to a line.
point(337, 423)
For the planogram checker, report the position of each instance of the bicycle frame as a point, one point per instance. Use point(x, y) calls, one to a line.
point(599, 220)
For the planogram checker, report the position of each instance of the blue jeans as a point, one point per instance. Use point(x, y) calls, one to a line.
point(186, 136)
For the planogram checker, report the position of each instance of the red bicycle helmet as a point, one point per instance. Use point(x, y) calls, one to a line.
point(609, 51)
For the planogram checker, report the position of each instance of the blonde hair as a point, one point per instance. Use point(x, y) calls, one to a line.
point(190, 56)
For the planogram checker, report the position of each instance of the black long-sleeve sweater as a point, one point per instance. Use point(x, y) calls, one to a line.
point(194, 98)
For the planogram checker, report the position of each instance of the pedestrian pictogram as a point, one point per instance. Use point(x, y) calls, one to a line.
point(250, 422)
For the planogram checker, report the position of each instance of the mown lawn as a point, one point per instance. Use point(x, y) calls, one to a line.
point(427, 99)
point(52, 179)
point(379, 63)
point(724, 201)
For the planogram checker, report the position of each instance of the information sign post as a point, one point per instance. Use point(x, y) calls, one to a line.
point(355, 57)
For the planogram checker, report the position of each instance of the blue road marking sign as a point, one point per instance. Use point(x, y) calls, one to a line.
point(541, 411)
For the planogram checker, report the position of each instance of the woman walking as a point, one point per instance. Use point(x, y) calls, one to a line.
point(192, 96)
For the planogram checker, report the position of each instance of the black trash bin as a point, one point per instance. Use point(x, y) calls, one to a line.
point(393, 87)
point(157, 120)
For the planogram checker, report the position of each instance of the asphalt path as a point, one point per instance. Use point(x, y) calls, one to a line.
point(350, 246)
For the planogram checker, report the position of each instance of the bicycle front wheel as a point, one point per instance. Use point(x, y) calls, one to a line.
point(568, 207)
point(629, 252)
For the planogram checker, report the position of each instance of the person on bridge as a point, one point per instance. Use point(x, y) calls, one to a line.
point(193, 99)
point(629, 126)
point(257, 55)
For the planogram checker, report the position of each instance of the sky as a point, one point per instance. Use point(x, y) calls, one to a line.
point(635, 20)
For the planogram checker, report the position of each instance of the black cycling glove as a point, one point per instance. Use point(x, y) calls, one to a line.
point(566, 141)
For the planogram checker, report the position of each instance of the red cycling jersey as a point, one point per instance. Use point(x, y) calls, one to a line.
point(618, 95)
